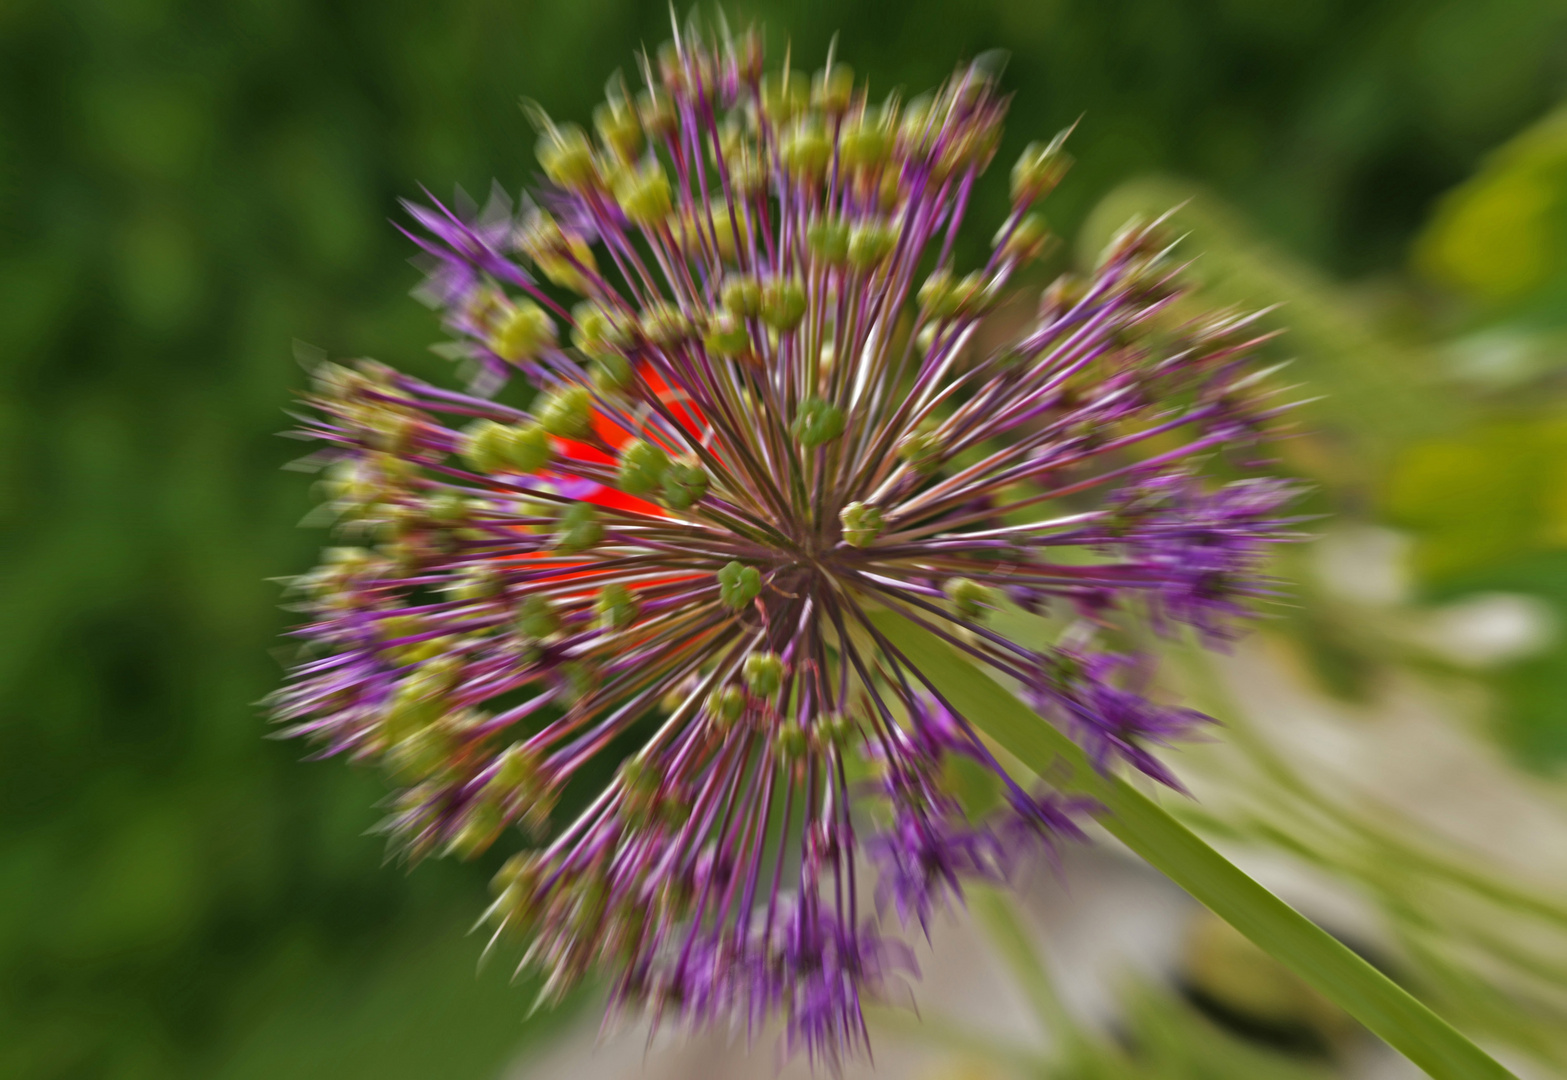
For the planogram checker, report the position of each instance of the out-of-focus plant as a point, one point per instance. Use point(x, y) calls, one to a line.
point(1475, 478)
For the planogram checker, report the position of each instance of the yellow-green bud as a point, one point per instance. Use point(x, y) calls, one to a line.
point(409, 713)
point(921, 449)
point(684, 485)
point(567, 157)
point(862, 524)
point(644, 195)
point(475, 584)
point(791, 741)
point(568, 412)
point(528, 447)
point(743, 296)
point(970, 597)
point(763, 672)
point(831, 88)
point(727, 336)
point(612, 373)
point(446, 508)
point(617, 124)
point(828, 241)
point(870, 242)
point(817, 423)
point(481, 827)
point(657, 112)
point(642, 466)
point(484, 445)
point(423, 752)
point(580, 529)
point(617, 607)
point(783, 304)
point(665, 325)
point(537, 619)
point(784, 95)
point(726, 705)
point(1028, 240)
point(866, 142)
point(738, 585)
point(836, 729)
point(518, 769)
point(806, 151)
point(1039, 169)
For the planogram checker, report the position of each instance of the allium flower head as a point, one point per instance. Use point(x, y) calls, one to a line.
point(752, 414)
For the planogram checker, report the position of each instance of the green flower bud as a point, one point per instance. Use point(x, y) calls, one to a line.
point(617, 124)
point(409, 713)
point(791, 741)
point(580, 529)
point(642, 466)
point(726, 705)
point(684, 485)
point(738, 585)
point(865, 143)
point(400, 626)
point(784, 96)
point(612, 373)
point(537, 619)
point(836, 729)
point(831, 88)
point(917, 133)
point(828, 241)
point(616, 606)
point(1060, 296)
point(870, 242)
point(577, 681)
point(528, 448)
point(942, 297)
point(644, 195)
point(862, 524)
point(970, 597)
point(564, 258)
point(422, 753)
point(446, 508)
point(935, 295)
point(657, 112)
point(517, 771)
point(567, 157)
point(424, 651)
point(1039, 169)
point(743, 296)
point(481, 827)
point(568, 412)
point(783, 304)
point(483, 446)
point(922, 449)
point(665, 325)
point(475, 584)
point(727, 336)
point(806, 151)
point(817, 423)
point(763, 672)
point(1028, 241)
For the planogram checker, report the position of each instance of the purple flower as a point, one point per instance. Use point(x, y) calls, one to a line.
point(753, 417)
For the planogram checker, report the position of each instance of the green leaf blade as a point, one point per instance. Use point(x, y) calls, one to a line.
point(1142, 825)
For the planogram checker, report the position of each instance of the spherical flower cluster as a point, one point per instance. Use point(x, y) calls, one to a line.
point(753, 414)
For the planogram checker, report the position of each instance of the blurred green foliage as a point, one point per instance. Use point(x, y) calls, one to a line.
point(185, 188)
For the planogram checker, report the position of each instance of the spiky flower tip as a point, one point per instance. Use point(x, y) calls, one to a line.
point(769, 423)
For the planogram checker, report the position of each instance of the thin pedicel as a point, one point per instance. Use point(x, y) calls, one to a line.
point(771, 421)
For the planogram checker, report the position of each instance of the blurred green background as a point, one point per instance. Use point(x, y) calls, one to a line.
point(185, 189)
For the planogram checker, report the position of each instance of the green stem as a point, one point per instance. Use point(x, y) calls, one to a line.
point(1139, 823)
